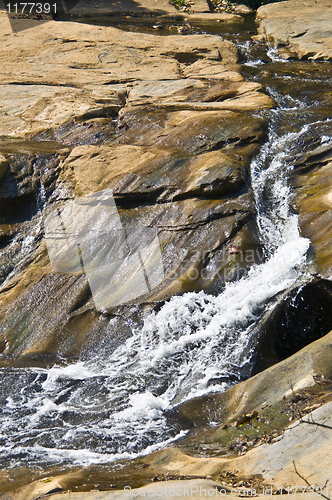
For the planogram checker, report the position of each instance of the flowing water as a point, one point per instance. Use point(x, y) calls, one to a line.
point(115, 408)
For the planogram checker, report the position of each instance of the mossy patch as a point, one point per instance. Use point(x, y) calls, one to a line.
point(264, 426)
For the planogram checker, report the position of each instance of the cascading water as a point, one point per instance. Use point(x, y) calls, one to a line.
point(113, 408)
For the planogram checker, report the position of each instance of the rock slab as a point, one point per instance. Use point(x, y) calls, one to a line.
point(302, 26)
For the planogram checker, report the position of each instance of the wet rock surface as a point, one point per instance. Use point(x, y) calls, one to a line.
point(260, 428)
point(295, 321)
point(266, 388)
point(266, 426)
point(298, 28)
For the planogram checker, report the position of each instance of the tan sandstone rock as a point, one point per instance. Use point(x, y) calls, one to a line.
point(165, 122)
point(136, 169)
point(268, 387)
point(302, 26)
point(74, 71)
point(192, 488)
point(174, 114)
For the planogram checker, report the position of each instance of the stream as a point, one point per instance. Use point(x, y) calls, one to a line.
point(115, 408)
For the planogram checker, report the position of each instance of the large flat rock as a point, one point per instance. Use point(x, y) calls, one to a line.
point(75, 55)
point(62, 72)
point(302, 26)
point(191, 488)
point(303, 450)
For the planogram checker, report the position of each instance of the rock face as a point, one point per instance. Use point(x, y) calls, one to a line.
point(312, 195)
point(291, 325)
point(303, 27)
point(166, 124)
point(268, 387)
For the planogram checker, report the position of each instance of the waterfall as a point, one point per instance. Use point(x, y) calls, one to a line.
point(114, 408)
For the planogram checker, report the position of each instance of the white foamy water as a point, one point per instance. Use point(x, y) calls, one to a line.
point(116, 408)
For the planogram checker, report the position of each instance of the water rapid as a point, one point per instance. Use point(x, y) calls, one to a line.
point(109, 409)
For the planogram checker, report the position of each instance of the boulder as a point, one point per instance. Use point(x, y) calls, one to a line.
point(266, 388)
point(299, 317)
point(303, 27)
